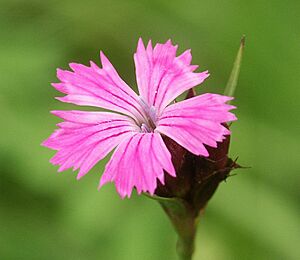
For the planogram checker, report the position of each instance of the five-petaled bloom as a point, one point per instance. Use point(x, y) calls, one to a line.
point(136, 128)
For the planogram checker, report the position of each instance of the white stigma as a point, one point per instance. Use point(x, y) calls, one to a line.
point(145, 129)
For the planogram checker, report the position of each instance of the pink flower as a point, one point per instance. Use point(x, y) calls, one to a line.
point(136, 128)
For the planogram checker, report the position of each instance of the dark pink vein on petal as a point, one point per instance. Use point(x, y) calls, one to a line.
point(107, 91)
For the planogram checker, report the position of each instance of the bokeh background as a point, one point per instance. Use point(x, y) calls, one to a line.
point(47, 215)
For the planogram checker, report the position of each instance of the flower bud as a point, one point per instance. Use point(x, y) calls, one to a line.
point(197, 177)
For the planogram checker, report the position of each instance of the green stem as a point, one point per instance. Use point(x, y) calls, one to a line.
point(186, 241)
point(184, 221)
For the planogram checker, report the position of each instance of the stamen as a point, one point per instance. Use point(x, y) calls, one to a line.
point(145, 129)
point(151, 116)
point(143, 104)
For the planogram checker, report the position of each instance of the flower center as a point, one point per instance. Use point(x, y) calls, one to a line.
point(149, 121)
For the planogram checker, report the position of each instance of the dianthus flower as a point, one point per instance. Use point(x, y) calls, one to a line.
point(139, 122)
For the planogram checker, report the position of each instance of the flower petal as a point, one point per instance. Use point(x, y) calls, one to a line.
point(87, 137)
point(197, 121)
point(138, 162)
point(92, 86)
point(161, 76)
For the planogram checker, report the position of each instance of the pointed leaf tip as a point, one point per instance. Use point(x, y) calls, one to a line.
point(243, 40)
point(233, 78)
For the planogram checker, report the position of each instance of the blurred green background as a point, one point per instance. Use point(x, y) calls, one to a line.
point(47, 215)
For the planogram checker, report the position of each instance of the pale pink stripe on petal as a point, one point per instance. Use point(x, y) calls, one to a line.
point(138, 162)
point(197, 121)
point(143, 68)
point(90, 117)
